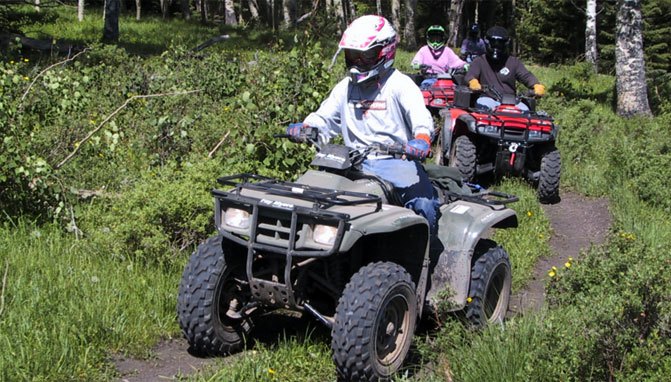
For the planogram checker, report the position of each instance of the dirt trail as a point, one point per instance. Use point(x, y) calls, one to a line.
point(577, 223)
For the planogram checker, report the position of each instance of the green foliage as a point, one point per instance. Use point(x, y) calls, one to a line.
point(292, 359)
point(546, 42)
point(66, 306)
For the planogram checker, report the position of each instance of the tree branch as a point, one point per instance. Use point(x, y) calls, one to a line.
point(115, 112)
point(218, 144)
point(4, 285)
point(44, 71)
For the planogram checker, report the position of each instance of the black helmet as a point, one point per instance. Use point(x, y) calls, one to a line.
point(474, 31)
point(497, 41)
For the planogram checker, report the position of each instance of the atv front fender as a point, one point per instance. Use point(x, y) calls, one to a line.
point(457, 122)
point(388, 220)
point(460, 227)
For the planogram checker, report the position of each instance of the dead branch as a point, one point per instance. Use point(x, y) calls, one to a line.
point(218, 144)
point(44, 71)
point(4, 285)
point(115, 112)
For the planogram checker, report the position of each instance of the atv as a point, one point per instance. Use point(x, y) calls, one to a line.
point(503, 141)
point(336, 245)
point(438, 89)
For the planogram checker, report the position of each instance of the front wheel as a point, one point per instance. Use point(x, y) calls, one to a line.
point(209, 302)
point(489, 293)
point(463, 157)
point(374, 323)
point(548, 182)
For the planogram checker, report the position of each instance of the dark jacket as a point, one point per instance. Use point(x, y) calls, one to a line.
point(501, 77)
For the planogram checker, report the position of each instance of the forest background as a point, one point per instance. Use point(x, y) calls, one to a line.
point(109, 152)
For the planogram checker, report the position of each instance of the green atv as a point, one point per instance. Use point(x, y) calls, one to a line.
point(336, 244)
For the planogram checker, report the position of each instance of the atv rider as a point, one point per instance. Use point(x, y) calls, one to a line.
point(435, 57)
point(472, 46)
point(500, 71)
point(376, 103)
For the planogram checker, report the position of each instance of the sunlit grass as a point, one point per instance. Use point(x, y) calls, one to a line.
point(66, 306)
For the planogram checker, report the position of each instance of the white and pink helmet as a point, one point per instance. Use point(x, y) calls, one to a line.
point(369, 43)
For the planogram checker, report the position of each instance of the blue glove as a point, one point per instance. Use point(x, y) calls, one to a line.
point(418, 148)
point(294, 131)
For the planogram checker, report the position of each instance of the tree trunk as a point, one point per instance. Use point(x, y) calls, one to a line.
point(289, 12)
point(396, 15)
point(409, 31)
point(351, 11)
point(80, 10)
point(138, 9)
point(186, 10)
point(111, 27)
point(632, 91)
point(455, 22)
point(165, 8)
point(229, 13)
point(591, 53)
point(378, 6)
point(204, 11)
point(338, 12)
point(253, 9)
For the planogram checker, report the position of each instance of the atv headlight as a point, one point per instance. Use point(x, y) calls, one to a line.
point(535, 134)
point(488, 129)
point(236, 218)
point(324, 234)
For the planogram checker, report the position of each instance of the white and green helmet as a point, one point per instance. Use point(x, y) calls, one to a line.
point(435, 37)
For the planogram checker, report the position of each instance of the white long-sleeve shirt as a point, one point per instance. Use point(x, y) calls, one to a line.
point(387, 111)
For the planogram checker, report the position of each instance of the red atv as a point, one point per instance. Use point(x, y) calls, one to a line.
point(503, 141)
point(438, 89)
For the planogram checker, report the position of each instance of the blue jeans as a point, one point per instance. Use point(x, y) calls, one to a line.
point(427, 83)
point(491, 103)
point(411, 184)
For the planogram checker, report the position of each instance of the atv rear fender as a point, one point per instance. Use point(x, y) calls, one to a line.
point(462, 225)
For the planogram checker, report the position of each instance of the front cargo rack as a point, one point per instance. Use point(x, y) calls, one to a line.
point(320, 197)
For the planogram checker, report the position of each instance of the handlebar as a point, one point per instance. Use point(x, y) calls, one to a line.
point(311, 135)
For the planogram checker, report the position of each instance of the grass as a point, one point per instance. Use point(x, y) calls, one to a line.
point(68, 306)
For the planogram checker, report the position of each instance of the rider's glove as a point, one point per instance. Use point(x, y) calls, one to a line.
point(295, 132)
point(415, 65)
point(466, 66)
point(420, 147)
point(474, 84)
point(539, 89)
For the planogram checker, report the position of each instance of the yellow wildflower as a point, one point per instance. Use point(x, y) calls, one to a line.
point(271, 371)
point(25, 60)
point(25, 78)
point(552, 273)
point(567, 264)
point(468, 300)
point(529, 213)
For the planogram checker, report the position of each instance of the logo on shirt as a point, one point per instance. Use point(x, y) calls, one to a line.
point(504, 71)
point(366, 105)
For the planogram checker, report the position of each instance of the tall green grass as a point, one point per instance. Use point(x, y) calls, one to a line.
point(66, 306)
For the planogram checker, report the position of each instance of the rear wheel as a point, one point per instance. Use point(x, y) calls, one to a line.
point(209, 301)
point(548, 182)
point(489, 293)
point(374, 323)
point(463, 157)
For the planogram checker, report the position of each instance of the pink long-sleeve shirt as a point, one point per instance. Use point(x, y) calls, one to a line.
point(445, 61)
